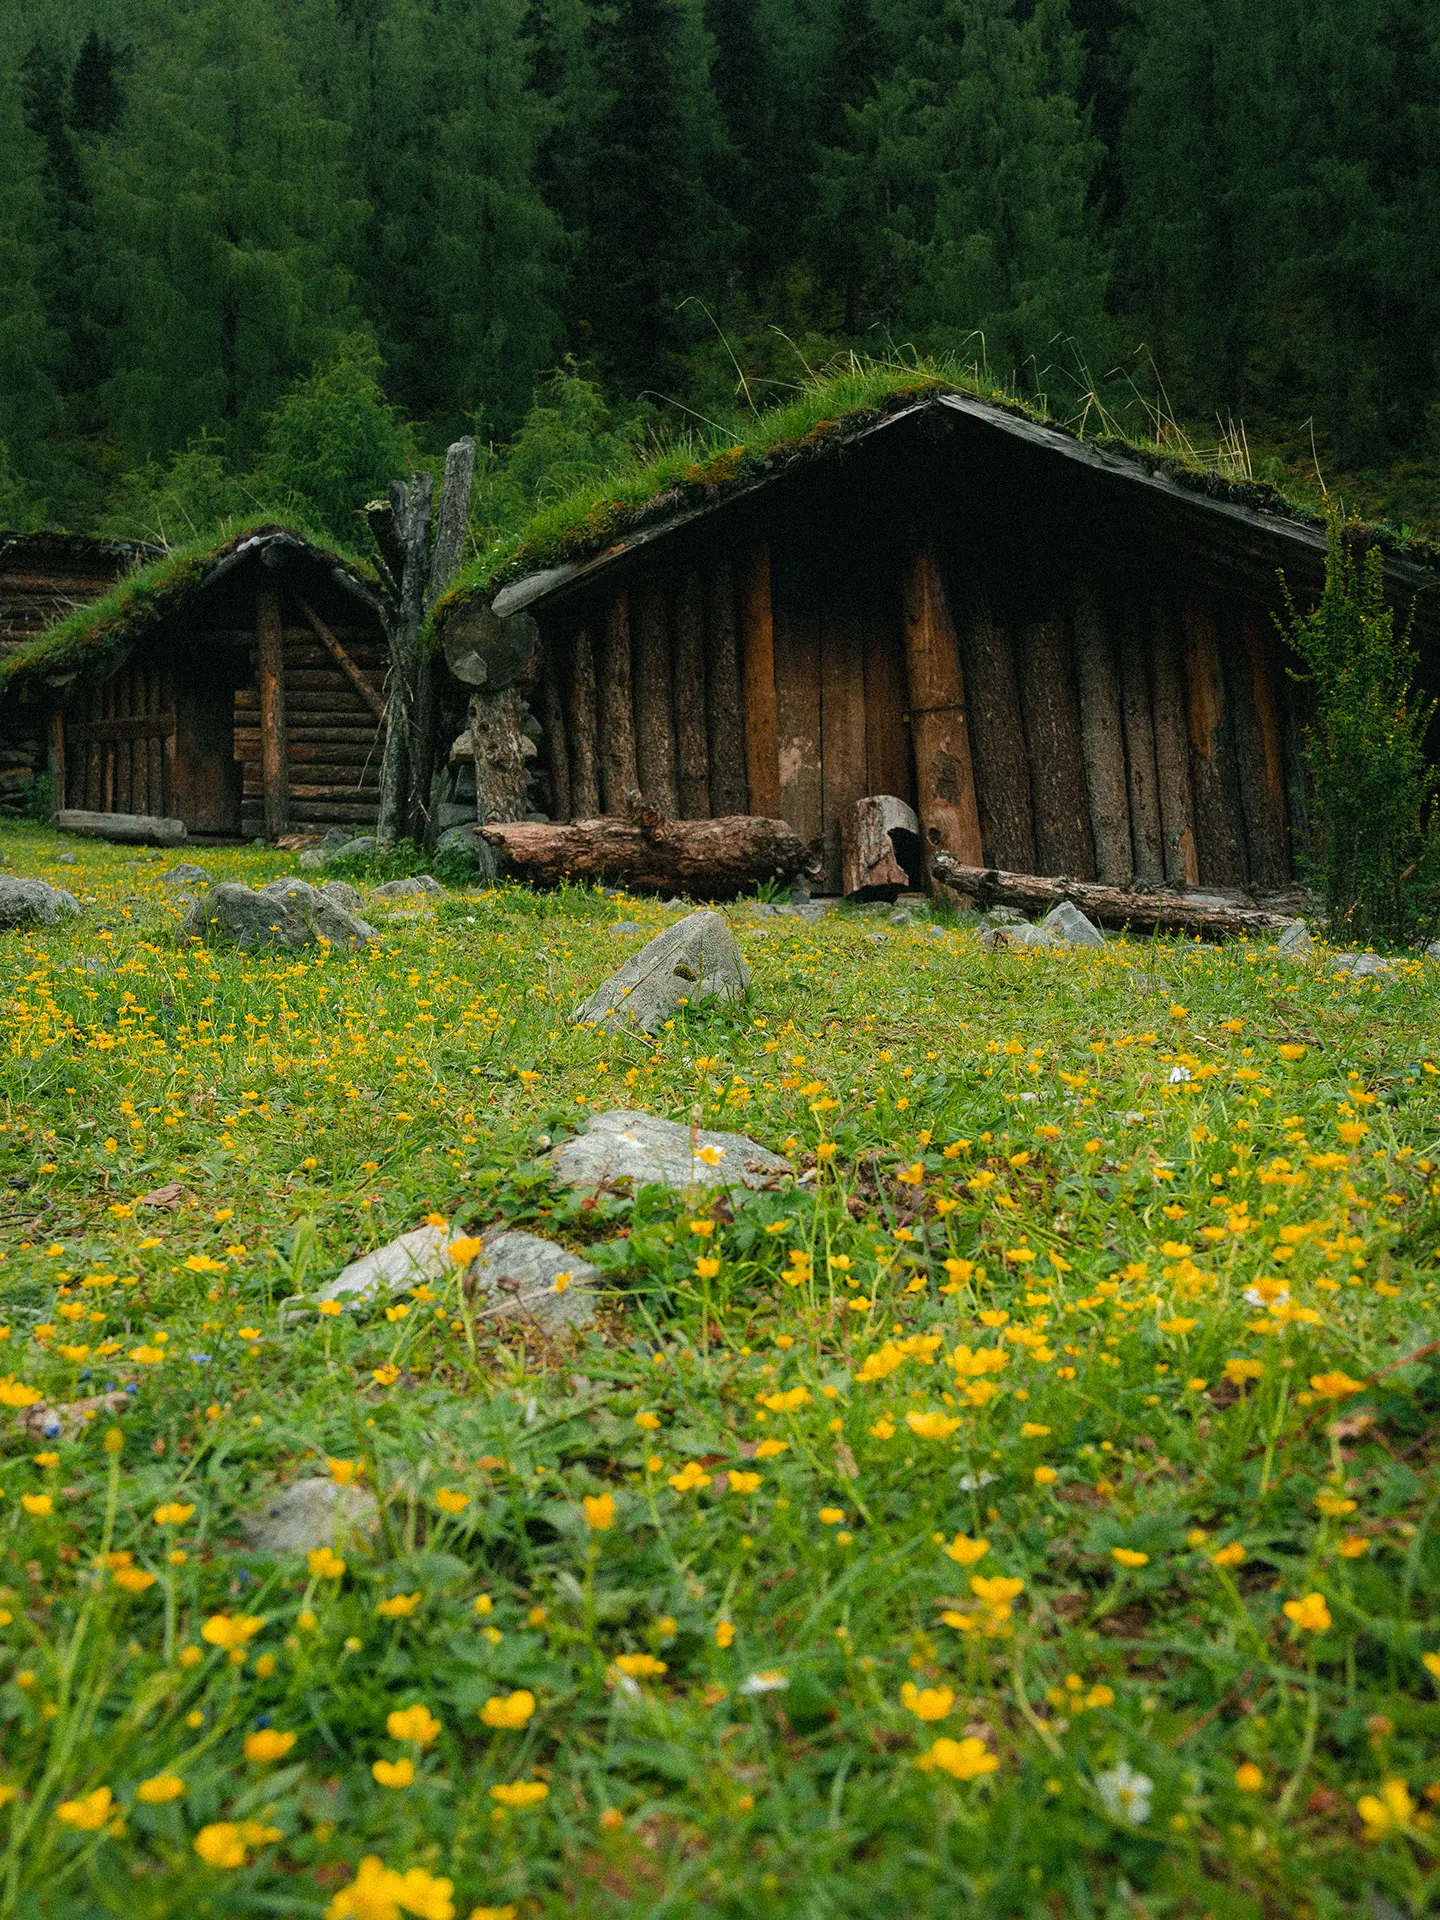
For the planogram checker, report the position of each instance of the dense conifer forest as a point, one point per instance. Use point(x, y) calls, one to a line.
point(222, 221)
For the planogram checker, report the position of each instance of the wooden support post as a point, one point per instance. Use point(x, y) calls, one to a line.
point(584, 749)
point(552, 720)
point(794, 598)
point(842, 727)
point(1051, 708)
point(654, 721)
point(997, 739)
point(274, 760)
point(1218, 831)
point(1172, 752)
point(1258, 749)
point(691, 748)
point(724, 701)
point(762, 729)
point(619, 775)
point(1147, 839)
point(56, 768)
point(944, 775)
point(1102, 737)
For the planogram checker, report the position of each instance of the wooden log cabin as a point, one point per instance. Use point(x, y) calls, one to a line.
point(240, 690)
point(43, 577)
point(1064, 655)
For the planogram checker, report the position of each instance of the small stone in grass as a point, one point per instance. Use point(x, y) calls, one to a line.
point(648, 1151)
point(311, 1513)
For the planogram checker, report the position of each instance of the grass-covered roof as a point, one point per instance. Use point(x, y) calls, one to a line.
point(95, 639)
point(646, 491)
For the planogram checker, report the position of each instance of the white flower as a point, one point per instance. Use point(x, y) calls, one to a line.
point(1125, 1794)
point(1177, 1074)
point(770, 1681)
point(1272, 1297)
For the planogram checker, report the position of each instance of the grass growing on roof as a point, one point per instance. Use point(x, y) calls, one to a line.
point(1033, 1509)
point(699, 468)
point(97, 636)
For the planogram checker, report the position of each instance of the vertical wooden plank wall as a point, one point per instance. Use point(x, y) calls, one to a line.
point(692, 755)
point(1213, 785)
point(274, 765)
point(114, 745)
point(1172, 750)
point(724, 698)
point(762, 725)
point(939, 728)
point(1101, 734)
point(843, 772)
point(654, 720)
point(1146, 835)
point(1051, 713)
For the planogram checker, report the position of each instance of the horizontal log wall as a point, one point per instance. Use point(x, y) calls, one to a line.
point(332, 739)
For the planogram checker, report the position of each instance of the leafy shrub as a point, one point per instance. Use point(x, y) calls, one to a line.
point(1375, 835)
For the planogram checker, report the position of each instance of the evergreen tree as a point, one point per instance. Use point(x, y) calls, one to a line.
point(29, 349)
point(223, 224)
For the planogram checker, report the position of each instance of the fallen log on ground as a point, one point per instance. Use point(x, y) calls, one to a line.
point(706, 859)
point(1205, 916)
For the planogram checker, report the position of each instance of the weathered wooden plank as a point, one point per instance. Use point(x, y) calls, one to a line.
point(691, 746)
point(944, 773)
point(1146, 835)
point(581, 726)
point(757, 658)
point(272, 711)
point(724, 702)
point(888, 761)
point(1050, 706)
point(556, 744)
point(159, 696)
point(369, 694)
point(1102, 736)
point(797, 696)
point(615, 708)
point(1250, 677)
point(997, 739)
point(1213, 785)
point(1172, 750)
point(842, 720)
point(654, 720)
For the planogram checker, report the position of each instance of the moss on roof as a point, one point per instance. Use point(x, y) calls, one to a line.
point(697, 472)
point(98, 637)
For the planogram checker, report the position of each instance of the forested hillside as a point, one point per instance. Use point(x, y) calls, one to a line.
point(205, 202)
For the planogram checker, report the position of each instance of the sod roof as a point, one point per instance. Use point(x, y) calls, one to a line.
point(645, 499)
point(93, 640)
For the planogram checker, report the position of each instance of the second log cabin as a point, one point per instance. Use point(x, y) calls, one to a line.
point(1064, 655)
point(239, 689)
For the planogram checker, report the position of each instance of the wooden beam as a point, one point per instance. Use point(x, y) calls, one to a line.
point(584, 749)
point(944, 773)
point(654, 720)
point(1147, 838)
point(762, 727)
point(1051, 708)
point(842, 725)
point(1213, 783)
point(272, 712)
point(347, 666)
point(1262, 758)
point(1101, 731)
point(724, 701)
point(1172, 752)
point(692, 753)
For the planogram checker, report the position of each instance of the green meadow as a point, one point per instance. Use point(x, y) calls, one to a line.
point(1026, 1510)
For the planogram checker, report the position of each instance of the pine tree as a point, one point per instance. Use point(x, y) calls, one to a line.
point(221, 214)
point(29, 348)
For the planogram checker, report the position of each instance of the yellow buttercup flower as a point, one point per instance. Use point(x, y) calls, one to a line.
point(1389, 1811)
point(267, 1744)
point(399, 1606)
point(509, 1710)
point(394, 1773)
point(520, 1793)
point(174, 1513)
point(965, 1551)
point(324, 1564)
point(1310, 1613)
point(448, 1500)
point(415, 1724)
point(966, 1759)
point(159, 1788)
point(640, 1666)
point(1129, 1557)
point(926, 1703)
point(599, 1511)
point(89, 1812)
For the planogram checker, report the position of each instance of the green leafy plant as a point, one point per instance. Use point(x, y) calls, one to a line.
point(1375, 832)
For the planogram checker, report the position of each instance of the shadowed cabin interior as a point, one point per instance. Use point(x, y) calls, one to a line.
point(1066, 662)
point(251, 704)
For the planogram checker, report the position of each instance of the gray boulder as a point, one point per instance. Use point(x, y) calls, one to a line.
point(694, 960)
point(472, 841)
point(313, 859)
point(416, 886)
point(342, 893)
point(413, 1260)
point(312, 1513)
point(1296, 942)
point(32, 903)
point(648, 1151)
point(287, 913)
point(519, 1276)
point(1361, 966)
point(185, 875)
point(1021, 935)
point(361, 847)
point(1069, 927)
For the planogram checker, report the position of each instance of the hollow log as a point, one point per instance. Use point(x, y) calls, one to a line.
point(724, 702)
point(1218, 833)
point(1102, 735)
point(1172, 752)
point(1200, 916)
point(939, 733)
point(584, 751)
point(705, 859)
point(654, 723)
point(619, 775)
point(692, 757)
point(1051, 710)
point(874, 833)
point(1146, 836)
